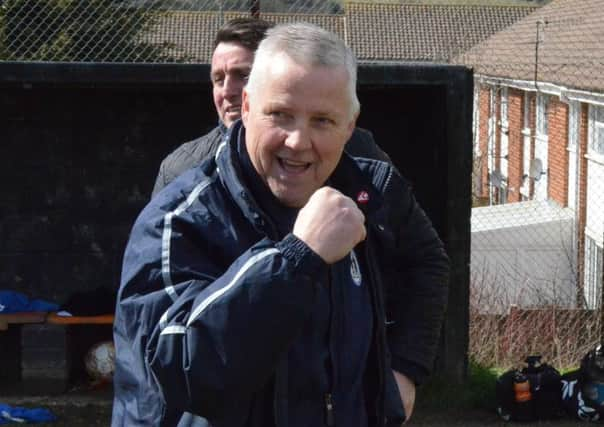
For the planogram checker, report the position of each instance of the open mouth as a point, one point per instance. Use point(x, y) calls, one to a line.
point(236, 109)
point(293, 166)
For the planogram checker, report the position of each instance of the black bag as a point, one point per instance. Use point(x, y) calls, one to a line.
point(531, 394)
point(583, 389)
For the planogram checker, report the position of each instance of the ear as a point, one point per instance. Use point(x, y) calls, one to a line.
point(245, 106)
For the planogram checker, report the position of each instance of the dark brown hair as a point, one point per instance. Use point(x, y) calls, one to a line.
point(248, 32)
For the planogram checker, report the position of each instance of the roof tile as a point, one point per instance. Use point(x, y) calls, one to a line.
point(570, 51)
point(375, 32)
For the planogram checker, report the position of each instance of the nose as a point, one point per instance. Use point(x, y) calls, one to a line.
point(298, 139)
point(232, 87)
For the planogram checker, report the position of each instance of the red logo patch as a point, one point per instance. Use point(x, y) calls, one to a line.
point(363, 197)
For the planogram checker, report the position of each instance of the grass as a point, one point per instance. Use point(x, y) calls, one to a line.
point(478, 392)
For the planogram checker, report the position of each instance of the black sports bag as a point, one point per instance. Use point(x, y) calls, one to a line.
point(530, 394)
point(583, 389)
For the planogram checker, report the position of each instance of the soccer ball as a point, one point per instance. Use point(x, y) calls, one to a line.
point(100, 361)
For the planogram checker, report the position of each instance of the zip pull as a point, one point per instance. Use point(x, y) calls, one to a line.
point(329, 415)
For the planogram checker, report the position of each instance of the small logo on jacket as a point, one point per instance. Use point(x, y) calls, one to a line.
point(363, 197)
point(355, 270)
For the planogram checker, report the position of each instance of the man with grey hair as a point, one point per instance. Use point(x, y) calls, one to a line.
point(234, 47)
point(283, 283)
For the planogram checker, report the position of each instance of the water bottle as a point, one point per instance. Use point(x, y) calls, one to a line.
point(522, 388)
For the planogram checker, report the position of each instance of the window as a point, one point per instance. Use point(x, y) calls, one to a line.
point(542, 107)
point(503, 193)
point(541, 147)
point(573, 158)
point(593, 273)
point(491, 142)
point(476, 121)
point(596, 143)
point(526, 146)
point(504, 107)
point(503, 138)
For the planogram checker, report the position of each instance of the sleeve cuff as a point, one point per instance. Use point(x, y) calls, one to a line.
point(413, 371)
point(301, 255)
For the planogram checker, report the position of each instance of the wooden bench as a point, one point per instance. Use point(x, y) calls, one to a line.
point(52, 318)
point(21, 318)
point(45, 350)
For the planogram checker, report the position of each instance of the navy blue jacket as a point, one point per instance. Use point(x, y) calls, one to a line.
point(211, 299)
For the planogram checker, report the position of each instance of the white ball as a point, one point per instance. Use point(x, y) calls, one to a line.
point(100, 361)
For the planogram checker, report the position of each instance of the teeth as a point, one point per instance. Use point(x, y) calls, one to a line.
point(294, 163)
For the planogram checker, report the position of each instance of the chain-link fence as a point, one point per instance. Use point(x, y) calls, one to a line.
point(538, 186)
point(130, 30)
point(538, 183)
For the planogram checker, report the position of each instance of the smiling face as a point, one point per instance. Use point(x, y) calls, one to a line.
point(231, 65)
point(297, 119)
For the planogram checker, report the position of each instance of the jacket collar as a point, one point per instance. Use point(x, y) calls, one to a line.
point(347, 178)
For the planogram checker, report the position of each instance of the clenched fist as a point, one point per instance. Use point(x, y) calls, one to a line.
point(331, 224)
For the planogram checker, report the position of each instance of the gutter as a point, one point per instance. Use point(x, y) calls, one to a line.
point(564, 93)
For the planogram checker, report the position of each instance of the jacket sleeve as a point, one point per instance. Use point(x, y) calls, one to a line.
point(184, 157)
point(417, 287)
point(160, 181)
point(219, 331)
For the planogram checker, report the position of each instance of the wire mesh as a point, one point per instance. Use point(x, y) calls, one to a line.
point(538, 186)
point(127, 31)
point(538, 122)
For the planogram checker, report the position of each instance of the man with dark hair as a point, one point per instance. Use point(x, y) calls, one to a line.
point(248, 32)
point(281, 282)
point(234, 48)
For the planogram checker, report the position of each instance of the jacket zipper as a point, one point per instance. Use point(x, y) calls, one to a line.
point(329, 414)
point(378, 306)
point(330, 419)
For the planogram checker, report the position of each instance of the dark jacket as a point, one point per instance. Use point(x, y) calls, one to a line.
point(211, 301)
point(194, 152)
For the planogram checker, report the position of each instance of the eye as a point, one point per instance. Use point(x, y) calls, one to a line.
point(242, 75)
point(278, 115)
point(217, 80)
point(324, 121)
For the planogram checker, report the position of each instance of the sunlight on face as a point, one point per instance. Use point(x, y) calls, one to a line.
point(231, 65)
point(297, 119)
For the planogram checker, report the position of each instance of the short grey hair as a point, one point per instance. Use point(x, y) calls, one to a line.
point(306, 44)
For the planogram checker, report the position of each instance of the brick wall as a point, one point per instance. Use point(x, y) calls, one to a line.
point(483, 129)
point(557, 143)
point(557, 152)
point(515, 154)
